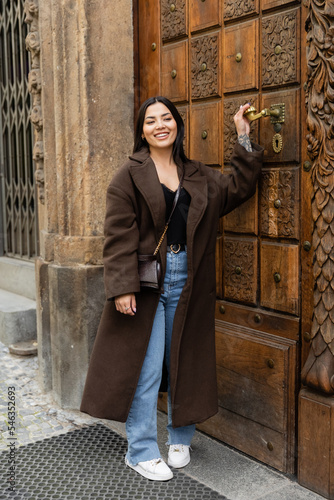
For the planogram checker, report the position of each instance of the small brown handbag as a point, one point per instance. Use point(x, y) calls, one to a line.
point(149, 269)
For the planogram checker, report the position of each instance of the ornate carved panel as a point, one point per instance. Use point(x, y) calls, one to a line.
point(173, 18)
point(241, 65)
point(174, 74)
point(205, 133)
point(318, 371)
point(240, 270)
point(280, 277)
point(234, 9)
point(231, 106)
point(204, 14)
point(280, 203)
point(205, 74)
point(280, 49)
point(289, 132)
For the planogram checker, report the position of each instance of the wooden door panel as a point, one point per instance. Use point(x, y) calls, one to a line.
point(261, 320)
point(149, 46)
point(258, 441)
point(231, 106)
point(205, 133)
point(174, 17)
point(256, 400)
point(241, 64)
point(243, 219)
point(236, 9)
point(205, 72)
point(260, 359)
point(261, 369)
point(280, 277)
point(280, 49)
point(240, 270)
point(290, 128)
point(279, 204)
point(204, 14)
point(174, 74)
point(270, 4)
point(258, 373)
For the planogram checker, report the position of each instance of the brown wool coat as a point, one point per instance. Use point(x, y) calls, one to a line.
point(135, 220)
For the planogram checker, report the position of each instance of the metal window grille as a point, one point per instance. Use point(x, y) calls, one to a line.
point(18, 211)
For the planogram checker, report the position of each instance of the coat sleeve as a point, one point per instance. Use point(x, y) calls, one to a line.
point(121, 243)
point(238, 186)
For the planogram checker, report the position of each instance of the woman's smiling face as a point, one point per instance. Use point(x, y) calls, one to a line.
point(160, 128)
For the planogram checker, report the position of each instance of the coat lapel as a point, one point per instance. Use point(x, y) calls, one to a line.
point(196, 185)
point(146, 180)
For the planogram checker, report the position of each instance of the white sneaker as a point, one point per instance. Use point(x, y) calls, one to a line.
point(178, 455)
point(156, 469)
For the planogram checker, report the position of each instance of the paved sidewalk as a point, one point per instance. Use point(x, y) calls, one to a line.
point(219, 467)
point(38, 416)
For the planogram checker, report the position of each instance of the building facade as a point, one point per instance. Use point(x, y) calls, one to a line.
point(92, 64)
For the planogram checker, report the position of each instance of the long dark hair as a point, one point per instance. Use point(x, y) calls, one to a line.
point(178, 151)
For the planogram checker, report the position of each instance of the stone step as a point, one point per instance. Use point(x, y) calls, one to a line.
point(17, 318)
point(18, 276)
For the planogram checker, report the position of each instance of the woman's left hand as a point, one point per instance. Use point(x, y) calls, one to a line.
point(241, 122)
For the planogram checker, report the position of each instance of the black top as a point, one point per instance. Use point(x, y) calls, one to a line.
point(177, 229)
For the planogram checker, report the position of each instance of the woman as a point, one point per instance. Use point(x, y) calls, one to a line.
point(141, 330)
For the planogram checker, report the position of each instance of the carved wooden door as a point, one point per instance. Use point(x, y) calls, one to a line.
point(209, 57)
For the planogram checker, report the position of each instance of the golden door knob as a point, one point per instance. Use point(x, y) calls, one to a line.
point(238, 57)
point(252, 115)
point(203, 67)
point(153, 46)
point(173, 73)
point(172, 7)
point(204, 134)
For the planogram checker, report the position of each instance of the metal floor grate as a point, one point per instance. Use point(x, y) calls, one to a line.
point(89, 464)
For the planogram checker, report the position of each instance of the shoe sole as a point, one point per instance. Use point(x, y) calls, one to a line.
point(178, 465)
point(149, 475)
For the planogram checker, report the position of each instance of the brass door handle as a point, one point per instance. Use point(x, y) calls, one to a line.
point(252, 115)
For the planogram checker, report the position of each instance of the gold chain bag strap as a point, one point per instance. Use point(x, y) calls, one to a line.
point(149, 269)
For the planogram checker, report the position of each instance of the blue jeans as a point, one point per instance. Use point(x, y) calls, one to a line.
point(141, 425)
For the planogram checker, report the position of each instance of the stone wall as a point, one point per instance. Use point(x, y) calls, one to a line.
point(86, 75)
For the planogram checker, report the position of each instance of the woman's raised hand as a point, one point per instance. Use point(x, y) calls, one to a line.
point(241, 122)
point(126, 304)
